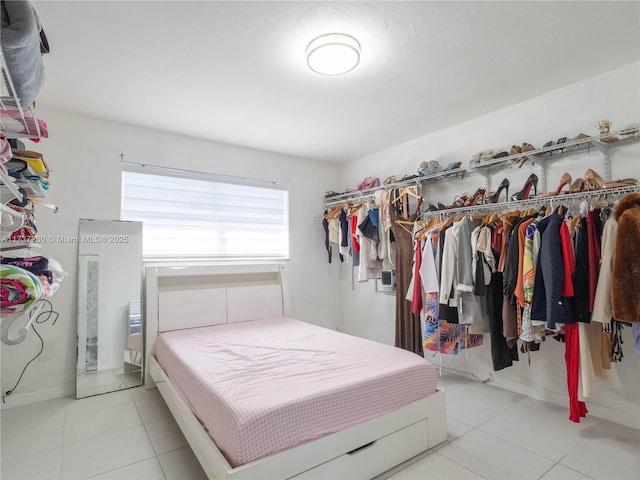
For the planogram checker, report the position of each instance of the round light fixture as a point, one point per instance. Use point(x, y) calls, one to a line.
point(333, 54)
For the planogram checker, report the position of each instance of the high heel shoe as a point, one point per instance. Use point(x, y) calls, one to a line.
point(596, 182)
point(459, 202)
point(592, 175)
point(477, 198)
point(495, 196)
point(565, 179)
point(523, 194)
point(579, 185)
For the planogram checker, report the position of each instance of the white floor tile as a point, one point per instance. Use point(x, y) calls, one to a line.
point(609, 451)
point(15, 418)
point(456, 429)
point(543, 428)
point(152, 407)
point(31, 429)
point(560, 472)
point(165, 435)
point(434, 466)
point(181, 465)
point(46, 465)
point(448, 381)
point(145, 470)
point(102, 454)
point(83, 426)
point(493, 458)
point(91, 404)
point(141, 393)
point(476, 403)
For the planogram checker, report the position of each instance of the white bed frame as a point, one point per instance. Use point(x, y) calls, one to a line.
point(193, 296)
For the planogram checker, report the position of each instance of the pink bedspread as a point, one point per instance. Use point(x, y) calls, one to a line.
point(263, 386)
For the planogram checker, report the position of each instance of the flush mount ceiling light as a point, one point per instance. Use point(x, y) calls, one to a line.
point(333, 54)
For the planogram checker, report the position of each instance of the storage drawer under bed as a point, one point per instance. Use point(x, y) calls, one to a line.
point(367, 461)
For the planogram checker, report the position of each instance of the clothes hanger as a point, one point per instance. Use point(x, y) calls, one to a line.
point(404, 192)
point(402, 223)
point(354, 209)
point(334, 212)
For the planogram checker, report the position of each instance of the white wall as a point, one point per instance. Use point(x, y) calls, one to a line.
point(566, 112)
point(84, 155)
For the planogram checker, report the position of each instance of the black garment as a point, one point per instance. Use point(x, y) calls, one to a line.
point(344, 229)
point(369, 230)
point(445, 312)
point(581, 279)
point(502, 355)
point(327, 245)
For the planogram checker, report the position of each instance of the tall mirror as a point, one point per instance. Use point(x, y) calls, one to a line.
point(109, 321)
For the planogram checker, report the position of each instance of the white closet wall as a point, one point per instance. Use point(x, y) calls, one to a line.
point(566, 112)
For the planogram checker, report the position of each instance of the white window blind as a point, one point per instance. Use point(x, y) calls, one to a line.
point(194, 215)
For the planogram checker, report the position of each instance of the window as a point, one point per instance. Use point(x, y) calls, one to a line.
point(193, 215)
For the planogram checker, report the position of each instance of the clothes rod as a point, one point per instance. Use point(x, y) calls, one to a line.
point(532, 202)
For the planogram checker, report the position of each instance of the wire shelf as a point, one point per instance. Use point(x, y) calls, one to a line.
point(531, 202)
point(16, 120)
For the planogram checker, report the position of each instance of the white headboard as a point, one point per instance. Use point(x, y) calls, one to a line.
point(198, 296)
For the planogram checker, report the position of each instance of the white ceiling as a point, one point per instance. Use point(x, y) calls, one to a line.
point(236, 71)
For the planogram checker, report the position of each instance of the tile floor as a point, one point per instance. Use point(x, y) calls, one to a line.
point(493, 434)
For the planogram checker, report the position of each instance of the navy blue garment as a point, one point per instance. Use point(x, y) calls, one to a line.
point(539, 300)
point(554, 308)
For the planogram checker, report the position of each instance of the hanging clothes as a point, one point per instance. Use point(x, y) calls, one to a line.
point(594, 232)
point(439, 335)
point(581, 276)
point(577, 409)
point(407, 331)
point(626, 266)
point(370, 266)
point(548, 302)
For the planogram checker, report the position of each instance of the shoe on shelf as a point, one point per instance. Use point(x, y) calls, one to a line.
point(494, 197)
point(594, 177)
point(453, 166)
point(550, 143)
point(627, 181)
point(477, 198)
point(578, 185)
point(526, 147)
point(460, 201)
point(499, 154)
point(523, 194)
point(565, 179)
point(560, 141)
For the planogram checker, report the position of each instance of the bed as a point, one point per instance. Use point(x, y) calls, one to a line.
point(281, 398)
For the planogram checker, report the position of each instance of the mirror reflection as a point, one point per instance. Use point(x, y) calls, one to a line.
point(109, 317)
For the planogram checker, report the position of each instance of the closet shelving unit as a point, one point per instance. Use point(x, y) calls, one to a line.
point(539, 156)
point(534, 202)
point(25, 117)
point(16, 121)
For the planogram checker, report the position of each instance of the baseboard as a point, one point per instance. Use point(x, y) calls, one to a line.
point(627, 419)
point(20, 399)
